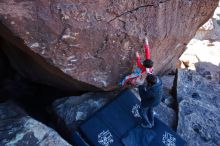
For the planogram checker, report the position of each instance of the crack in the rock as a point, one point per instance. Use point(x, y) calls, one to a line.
point(135, 9)
point(129, 11)
point(99, 50)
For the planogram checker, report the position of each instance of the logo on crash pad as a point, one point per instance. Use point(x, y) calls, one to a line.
point(168, 139)
point(105, 138)
point(135, 111)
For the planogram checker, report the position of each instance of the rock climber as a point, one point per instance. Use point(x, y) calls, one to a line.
point(140, 72)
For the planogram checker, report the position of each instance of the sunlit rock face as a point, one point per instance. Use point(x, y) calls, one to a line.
point(94, 42)
point(205, 46)
point(211, 29)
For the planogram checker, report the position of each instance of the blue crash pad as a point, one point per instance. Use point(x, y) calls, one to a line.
point(139, 136)
point(159, 135)
point(118, 121)
point(77, 139)
point(115, 118)
point(165, 136)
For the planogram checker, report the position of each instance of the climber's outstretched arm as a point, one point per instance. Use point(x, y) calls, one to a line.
point(138, 61)
point(147, 49)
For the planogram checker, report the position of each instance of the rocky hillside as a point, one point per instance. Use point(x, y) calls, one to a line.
point(91, 44)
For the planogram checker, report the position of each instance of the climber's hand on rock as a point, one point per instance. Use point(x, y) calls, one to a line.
point(137, 55)
point(146, 40)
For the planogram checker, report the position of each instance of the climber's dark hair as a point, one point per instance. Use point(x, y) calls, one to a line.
point(148, 63)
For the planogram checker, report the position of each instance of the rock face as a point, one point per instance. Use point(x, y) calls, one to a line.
point(198, 94)
point(71, 111)
point(209, 71)
point(19, 129)
point(166, 114)
point(94, 41)
point(191, 84)
point(199, 123)
point(36, 70)
point(167, 89)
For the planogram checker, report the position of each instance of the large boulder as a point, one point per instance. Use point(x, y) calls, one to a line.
point(35, 69)
point(71, 111)
point(93, 41)
point(166, 114)
point(167, 97)
point(17, 128)
point(199, 123)
point(209, 71)
point(198, 95)
point(198, 86)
